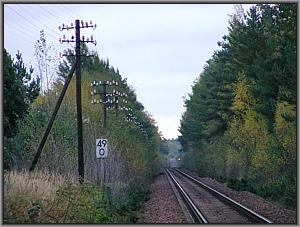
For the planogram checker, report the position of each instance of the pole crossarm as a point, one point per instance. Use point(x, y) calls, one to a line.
point(77, 26)
point(110, 100)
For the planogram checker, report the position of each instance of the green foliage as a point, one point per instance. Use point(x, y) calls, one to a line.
point(240, 120)
point(19, 92)
point(33, 212)
point(164, 149)
point(133, 158)
point(239, 184)
point(92, 204)
point(137, 194)
point(285, 129)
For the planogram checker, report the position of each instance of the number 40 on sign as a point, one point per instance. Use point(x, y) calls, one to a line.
point(101, 148)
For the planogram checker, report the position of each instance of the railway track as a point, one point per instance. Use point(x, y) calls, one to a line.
point(206, 205)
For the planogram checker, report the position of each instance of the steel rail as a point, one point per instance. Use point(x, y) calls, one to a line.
point(194, 210)
point(239, 207)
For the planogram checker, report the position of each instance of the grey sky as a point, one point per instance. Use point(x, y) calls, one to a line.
point(159, 48)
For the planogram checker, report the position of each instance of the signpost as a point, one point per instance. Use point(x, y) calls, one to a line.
point(101, 148)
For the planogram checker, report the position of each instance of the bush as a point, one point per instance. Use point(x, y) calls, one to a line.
point(86, 204)
point(239, 184)
point(28, 195)
point(138, 192)
point(40, 197)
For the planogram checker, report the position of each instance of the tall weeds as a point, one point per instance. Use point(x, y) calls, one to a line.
point(25, 194)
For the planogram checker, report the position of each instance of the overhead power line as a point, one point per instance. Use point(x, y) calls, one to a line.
point(32, 12)
point(30, 22)
point(21, 32)
point(17, 33)
point(39, 21)
point(77, 68)
point(49, 12)
point(69, 10)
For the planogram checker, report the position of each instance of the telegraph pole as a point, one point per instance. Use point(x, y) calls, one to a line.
point(78, 25)
point(104, 104)
point(51, 121)
point(78, 103)
point(104, 94)
point(116, 104)
point(77, 65)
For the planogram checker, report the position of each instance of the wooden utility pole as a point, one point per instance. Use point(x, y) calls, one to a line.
point(104, 104)
point(78, 104)
point(51, 121)
point(104, 100)
point(78, 24)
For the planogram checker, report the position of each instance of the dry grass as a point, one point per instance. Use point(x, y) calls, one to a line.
point(22, 190)
point(42, 185)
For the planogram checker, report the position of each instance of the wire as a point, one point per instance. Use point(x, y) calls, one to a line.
point(39, 11)
point(20, 32)
point(23, 18)
point(53, 16)
point(66, 11)
point(74, 13)
point(16, 12)
point(41, 22)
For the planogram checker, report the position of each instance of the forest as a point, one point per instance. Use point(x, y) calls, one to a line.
point(239, 127)
point(115, 187)
point(240, 122)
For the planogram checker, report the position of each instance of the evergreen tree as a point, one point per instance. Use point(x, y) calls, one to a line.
point(19, 91)
point(242, 107)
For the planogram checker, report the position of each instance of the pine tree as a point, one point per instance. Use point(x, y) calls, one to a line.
point(19, 91)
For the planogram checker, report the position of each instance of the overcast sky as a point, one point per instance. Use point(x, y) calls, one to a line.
point(160, 48)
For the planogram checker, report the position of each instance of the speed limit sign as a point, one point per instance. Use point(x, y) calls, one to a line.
point(101, 148)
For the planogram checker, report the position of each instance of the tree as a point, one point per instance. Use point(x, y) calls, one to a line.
point(88, 59)
point(19, 91)
point(243, 106)
point(47, 62)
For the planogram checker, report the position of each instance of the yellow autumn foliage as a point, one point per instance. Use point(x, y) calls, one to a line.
point(286, 130)
point(243, 99)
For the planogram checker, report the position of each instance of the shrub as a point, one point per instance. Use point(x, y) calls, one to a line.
point(27, 194)
point(40, 197)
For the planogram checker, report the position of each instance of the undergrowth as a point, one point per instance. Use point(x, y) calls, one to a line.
point(44, 198)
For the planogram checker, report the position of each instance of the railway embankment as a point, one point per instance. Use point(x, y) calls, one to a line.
point(165, 207)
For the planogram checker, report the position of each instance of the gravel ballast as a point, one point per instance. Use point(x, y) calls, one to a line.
point(274, 212)
point(163, 206)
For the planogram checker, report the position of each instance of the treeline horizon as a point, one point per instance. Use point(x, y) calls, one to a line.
point(115, 187)
point(240, 120)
